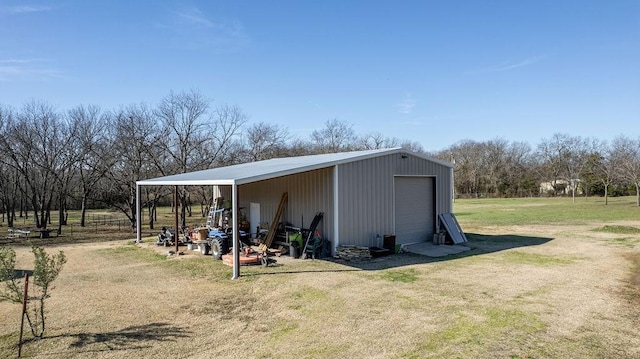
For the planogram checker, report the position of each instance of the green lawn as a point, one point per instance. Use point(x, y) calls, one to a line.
point(522, 211)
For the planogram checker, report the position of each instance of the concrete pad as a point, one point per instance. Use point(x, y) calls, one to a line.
point(433, 250)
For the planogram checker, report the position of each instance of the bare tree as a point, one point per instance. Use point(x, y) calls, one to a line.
point(577, 158)
point(94, 157)
point(40, 149)
point(467, 156)
point(376, 140)
point(600, 168)
point(336, 136)
point(264, 141)
point(225, 127)
point(9, 177)
point(496, 164)
point(412, 146)
point(183, 119)
point(562, 158)
point(298, 147)
point(184, 137)
point(519, 176)
point(626, 152)
point(134, 134)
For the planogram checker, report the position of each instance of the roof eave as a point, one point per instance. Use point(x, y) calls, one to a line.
point(185, 182)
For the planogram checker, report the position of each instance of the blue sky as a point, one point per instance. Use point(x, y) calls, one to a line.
point(434, 72)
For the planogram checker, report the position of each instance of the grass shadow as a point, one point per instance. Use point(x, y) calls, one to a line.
point(294, 271)
point(479, 244)
point(482, 243)
point(66, 239)
point(133, 337)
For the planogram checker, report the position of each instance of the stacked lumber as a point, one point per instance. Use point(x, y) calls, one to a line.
point(351, 253)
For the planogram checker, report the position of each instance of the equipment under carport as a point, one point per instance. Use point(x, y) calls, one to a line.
point(313, 243)
point(245, 259)
point(166, 238)
point(276, 219)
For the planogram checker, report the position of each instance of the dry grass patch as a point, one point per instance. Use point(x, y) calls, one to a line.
point(618, 229)
point(400, 275)
point(479, 332)
point(520, 257)
point(633, 283)
point(610, 234)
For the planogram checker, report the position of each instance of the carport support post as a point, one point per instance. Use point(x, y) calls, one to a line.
point(175, 210)
point(235, 233)
point(138, 215)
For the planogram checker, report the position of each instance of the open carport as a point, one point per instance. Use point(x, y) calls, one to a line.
point(364, 195)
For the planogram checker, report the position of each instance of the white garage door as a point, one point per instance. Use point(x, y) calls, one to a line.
point(415, 209)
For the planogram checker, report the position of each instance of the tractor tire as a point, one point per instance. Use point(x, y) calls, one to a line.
point(217, 248)
point(204, 248)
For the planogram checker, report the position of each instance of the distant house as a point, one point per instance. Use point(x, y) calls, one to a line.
point(559, 187)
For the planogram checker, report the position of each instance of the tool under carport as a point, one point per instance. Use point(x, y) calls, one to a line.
point(313, 242)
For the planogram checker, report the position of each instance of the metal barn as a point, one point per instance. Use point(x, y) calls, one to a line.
point(363, 194)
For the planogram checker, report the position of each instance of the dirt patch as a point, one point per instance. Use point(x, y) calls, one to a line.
point(633, 283)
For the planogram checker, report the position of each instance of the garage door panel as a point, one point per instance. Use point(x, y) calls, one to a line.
point(414, 209)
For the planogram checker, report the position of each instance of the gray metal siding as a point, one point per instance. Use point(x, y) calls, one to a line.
point(309, 192)
point(366, 199)
point(366, 194)
point(365, 206)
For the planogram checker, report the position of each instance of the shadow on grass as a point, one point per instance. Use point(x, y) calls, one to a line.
point(78, 238)
point(479, 244)
point(133, 337)
point(252, 274)
point(482, 243)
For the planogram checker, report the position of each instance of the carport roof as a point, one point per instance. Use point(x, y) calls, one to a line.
point(267, 169)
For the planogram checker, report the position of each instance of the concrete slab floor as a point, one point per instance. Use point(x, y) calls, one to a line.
point(434, 250)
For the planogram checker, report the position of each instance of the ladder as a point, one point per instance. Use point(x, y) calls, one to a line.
point(276, 219)
point(213, 220)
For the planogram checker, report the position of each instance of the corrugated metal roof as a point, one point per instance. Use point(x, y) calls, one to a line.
point(267, 169)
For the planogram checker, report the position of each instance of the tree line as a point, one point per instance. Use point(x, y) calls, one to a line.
point(89, 157)
point(559, 165)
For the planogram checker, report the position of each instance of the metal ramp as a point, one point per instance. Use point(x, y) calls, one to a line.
point(452, 227)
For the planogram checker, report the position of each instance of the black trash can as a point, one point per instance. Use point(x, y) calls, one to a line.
point(326, 249)
point(389, 242)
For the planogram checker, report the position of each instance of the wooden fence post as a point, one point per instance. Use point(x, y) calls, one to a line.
point(24, 311)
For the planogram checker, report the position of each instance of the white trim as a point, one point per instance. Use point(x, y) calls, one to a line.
point(453, 191)
point(236, 232)
point(178, 182)
point(336, 214)
point(138, 215)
